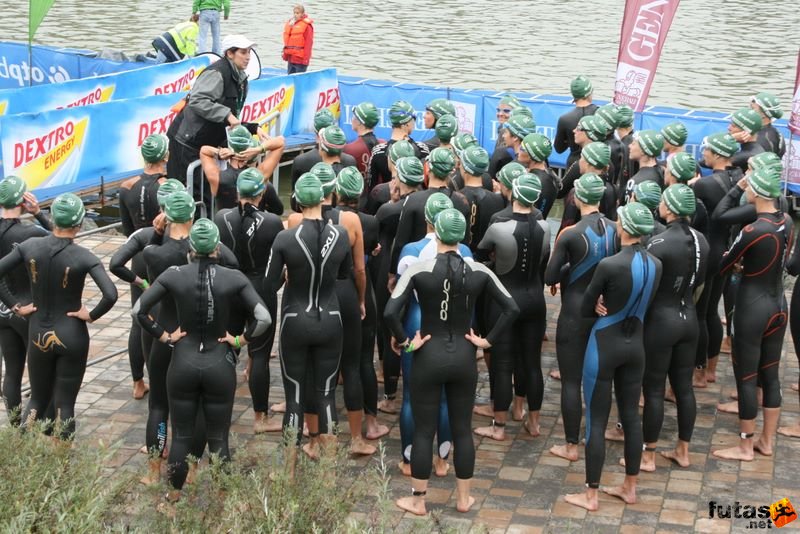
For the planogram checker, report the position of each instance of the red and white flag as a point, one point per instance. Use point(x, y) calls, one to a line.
point(794, 119)
point(792, 158)
point(644, 30)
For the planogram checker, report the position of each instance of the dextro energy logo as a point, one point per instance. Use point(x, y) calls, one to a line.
point(775, 515)
point(3, 106)
point(155, 126)
point(329, 98)
point(24, 73)
point(258, 110)
point(39, 158)
point(184, 83)
point(98, 96)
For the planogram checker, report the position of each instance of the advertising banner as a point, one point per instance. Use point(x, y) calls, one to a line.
point(792, 157)
point(794, 119)
point(314, 91)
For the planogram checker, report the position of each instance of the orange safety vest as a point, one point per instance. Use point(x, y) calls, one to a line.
point(294, 40)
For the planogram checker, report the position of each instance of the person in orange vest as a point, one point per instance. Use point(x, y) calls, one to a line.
point(298, 38)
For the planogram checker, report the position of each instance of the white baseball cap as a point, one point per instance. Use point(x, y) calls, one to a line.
point(236, 41)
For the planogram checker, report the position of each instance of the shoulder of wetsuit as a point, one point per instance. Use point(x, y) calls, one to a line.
point(130, 182)
point(293, 220)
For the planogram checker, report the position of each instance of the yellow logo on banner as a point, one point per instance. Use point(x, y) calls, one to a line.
point(3, 106)
point(98, 96)
point(38, 170)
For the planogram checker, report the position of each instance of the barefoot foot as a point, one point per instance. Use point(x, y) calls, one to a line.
point(582, 500)
point(680, 459)
point(555, 374)
point(728, 407)
point(761, 447)
point(140, 389)
point(311, 450)
point(790, 431)
point(440, 466)
point(404, 468)
point(377, 431)
point(648, 466)
point(415, 505)
point(279, 407)
point(497, 433)
point(465, 507)
point(486, 410)
point(615, 434)
point(734, 453)
point(565, 451)
point(621, 492)
point(360, 447)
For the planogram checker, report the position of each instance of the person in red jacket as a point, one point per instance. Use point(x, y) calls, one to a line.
point(298, 38)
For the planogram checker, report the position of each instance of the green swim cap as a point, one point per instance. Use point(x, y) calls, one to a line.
point(446, 127)
point(349, 183)
point(436, 203)
point(596, 128)
point(441, 162)
point(401, 112)
point(12, 189)
point(625, 114)
point(722, 143)
point(410, 171)
point(510, 101)
point(537, 146)
point(170, 186)
point(332, 139)
point(308, 190)
point(204, 237)
point(154, 148)
point(648, 193)
point(323, 118)
point(636, 219)
point(239, 139)
point(326, 175)
point(520, 125)
point(450, 226)
point(179, 207)
point(510, 172)
point(765, 182)
point(590, 188)
point(401, 149)
point(765, 159)
point(526, 189)
point(521, 111)
point(367, 114)
point(769, 104)
point(464, 140)
point(675, 133)
point(597, 154)
point(67, 211)
point(580, 87)
point(650, 141)
point(441, 106)
point(475, 160)
point(250, 183)
point(682, 166)
point(609, 114)
point(680, 200)
point(747, 119)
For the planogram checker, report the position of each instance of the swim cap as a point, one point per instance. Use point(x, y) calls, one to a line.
point(323, 118)
point(204, 237)
point(446, 127)
point(179, 207)
point(521, 110)
point(326, 175)
point(166, 189)
point(597, 154)
point(367, 114)
point(609, 114)
point(747, 119)
point(625, 114)
point(401, 112)
point(308, 190)
point(765, 182)
point(765, 159)
point(463, 141)
point(650, 141)
point(12, 189)
point(648, 193)
point(250, 183)
point(332, 139)
point(769, 104)
point(722, 143)
point(409, 171)
point(349, 183)
point(441, 162)
point(154, 148)
point(680, 200)
point(580, 87)
point(436, 203)
point(520, 125)
point(239, 138)
point(510, 172)
point(475, 160)
point(596, 128)
point(590, 188)
point(441, 106)
point(526, 189)
point(537, 146)
point(401, 149)
point(67, 211)
point(682, 166)
point(636, 219)
point(450, 226)
point(510, 101)
point(675, 133)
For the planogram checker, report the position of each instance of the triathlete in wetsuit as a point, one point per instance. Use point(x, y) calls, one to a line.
point(577, 251)
point(680, 169)
point(625, 134)
point(595, 158)
point(769, 107)
point(534, 151)
point(382, 193)
point(506, 178)
point(202, 375)
point(14, 327)
point(446, 129)
point(514, 131)
point(249, 232)
point(364, 118)
point(447, 288)
point(331, 142)
point(675, 135)
point(581, 89)
point(58, 342)
point(619, 295)
point(744, 127)
point(473, 162)
point(303, 163)
point(648, 193)
point(436, 109)
point(403, 119)
point(507, 104)
point(619, 151)
point(671, 328)
point(589, 129)
point(646, 147)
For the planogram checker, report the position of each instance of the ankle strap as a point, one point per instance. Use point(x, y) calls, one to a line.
point(416, 493)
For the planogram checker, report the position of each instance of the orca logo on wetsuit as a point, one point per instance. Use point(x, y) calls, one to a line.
point(46, 341)
point(446, 300)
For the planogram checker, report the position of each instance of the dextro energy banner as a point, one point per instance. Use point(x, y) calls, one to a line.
point(315, 92)
point(644, 29)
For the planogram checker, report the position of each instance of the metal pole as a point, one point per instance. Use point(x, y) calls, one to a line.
point(99, 229)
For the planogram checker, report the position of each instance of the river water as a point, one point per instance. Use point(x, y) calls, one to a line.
point(718, 53)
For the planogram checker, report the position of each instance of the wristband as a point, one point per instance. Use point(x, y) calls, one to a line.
point(263, 149)
point(145, 284)
point(236, 342)
point(410, 347)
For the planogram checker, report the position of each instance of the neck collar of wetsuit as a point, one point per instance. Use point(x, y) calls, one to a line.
point(680, 221)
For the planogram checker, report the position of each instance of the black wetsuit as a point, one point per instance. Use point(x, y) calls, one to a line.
point(619, 160)
point(315, 253)
point(482, 205)
point(565, 135)
point(506, 213)
point(771, 140)
point(746, 151)
point(550, 188)
point(202, 375)
point(456, 182)
point(380, 195)
point(793, 268)
point(521, 248)
point(653, 174)
point(577, 251)
point(447, 288)
point(228, 197)
point(615, 353)
point(631, 166)
point(607, 206)
point(501, 157)
point(249, 232)
point(58, 345)
point(378, 172)
point(302, 166)
point(573, 172)
point(671, 328)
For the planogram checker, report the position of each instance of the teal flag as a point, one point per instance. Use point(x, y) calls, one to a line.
point(37, 13)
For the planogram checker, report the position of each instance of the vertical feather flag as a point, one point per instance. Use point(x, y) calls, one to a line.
point(37, 13)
